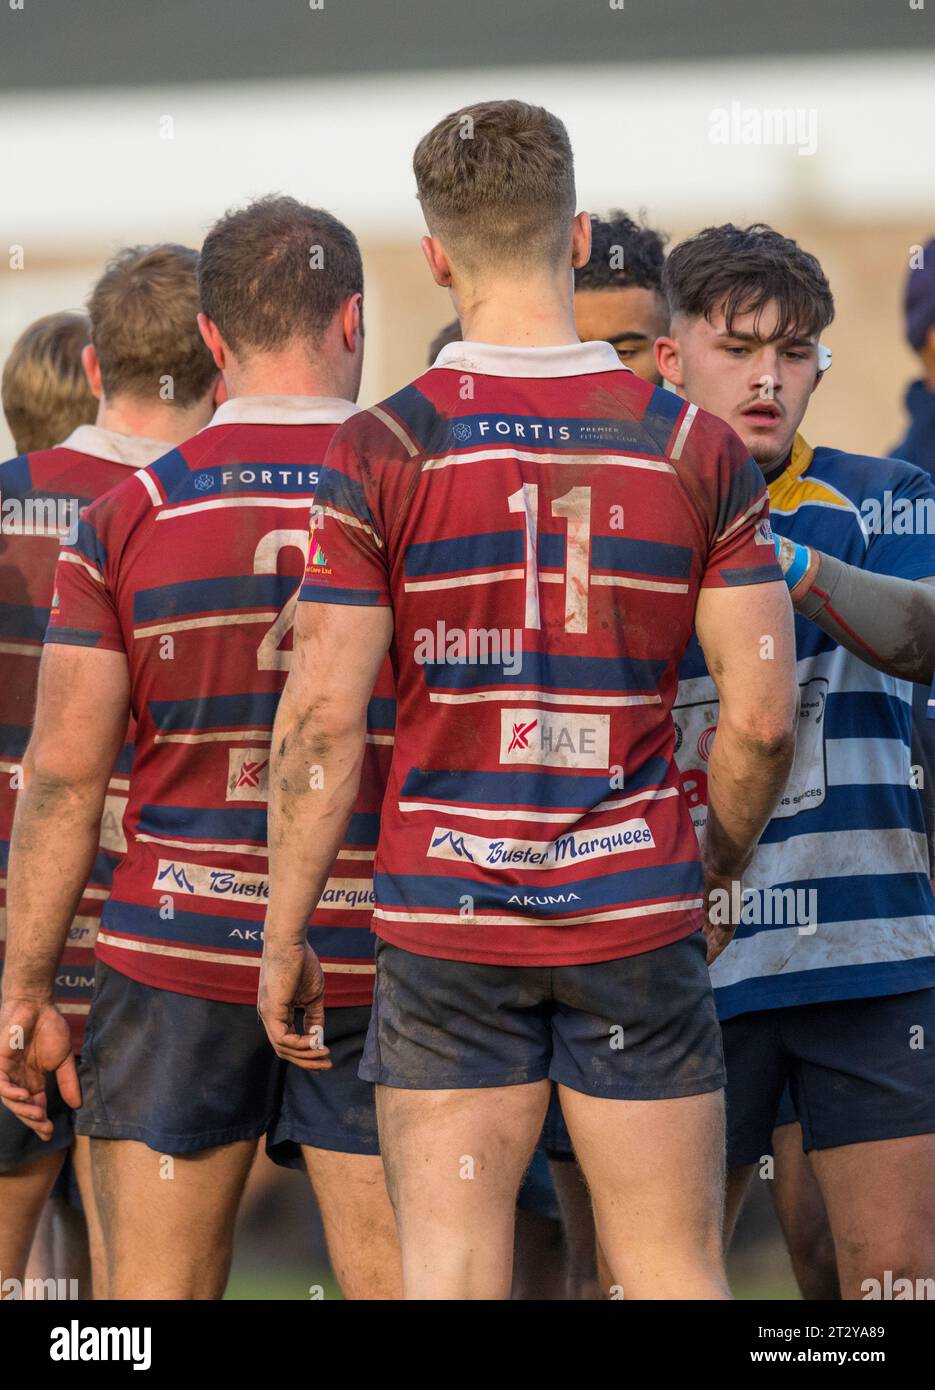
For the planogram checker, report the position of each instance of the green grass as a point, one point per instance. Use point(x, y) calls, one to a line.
point(279, 1285)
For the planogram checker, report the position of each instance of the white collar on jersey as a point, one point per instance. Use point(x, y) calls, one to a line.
point(283, 410)
point(490, 359)
point(131, 449)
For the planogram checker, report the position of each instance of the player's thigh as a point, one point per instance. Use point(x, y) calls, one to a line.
point(800, 1209)
point(328, 1121)
point(633, 1039)
point(640, 1069)
point(455, 1160)
point(176, 1091)
point(655, 1168)
point(459, 1053)
point(757, 1067)
point(168, 1219)
point(359, 1224)
point(81, 1162)
point(880, 1199)
point(458, 1153)
point(864, 1091)
point(23, 1195)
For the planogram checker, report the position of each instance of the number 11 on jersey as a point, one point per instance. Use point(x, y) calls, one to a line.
point(575, 507)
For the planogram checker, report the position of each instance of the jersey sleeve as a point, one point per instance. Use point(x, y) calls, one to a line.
point(902, 526)
point(347, 553)
point(83, 610)
point(741, 549)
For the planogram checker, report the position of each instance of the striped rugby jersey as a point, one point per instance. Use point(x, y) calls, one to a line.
point(191, 568)
point(541, 521)
point(851, 913)
point(41, 496)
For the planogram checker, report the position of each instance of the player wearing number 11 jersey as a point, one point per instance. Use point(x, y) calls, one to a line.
point(532, 531)
point(177, 598)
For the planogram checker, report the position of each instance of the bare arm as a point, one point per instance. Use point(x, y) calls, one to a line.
point(748, 638)
point(317, 750)
point(81, 720)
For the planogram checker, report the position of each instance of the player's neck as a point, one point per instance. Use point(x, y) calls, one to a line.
point(169, 423)
point(283, 378)
point(518, 314)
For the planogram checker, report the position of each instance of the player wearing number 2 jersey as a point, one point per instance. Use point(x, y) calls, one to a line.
point(177, 597)
point(532, 530)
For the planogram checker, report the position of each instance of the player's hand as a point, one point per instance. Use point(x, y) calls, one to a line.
point(289, 981)
point(719, 910)
point(35, 1040)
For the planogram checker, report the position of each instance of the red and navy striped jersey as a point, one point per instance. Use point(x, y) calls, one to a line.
point(41, 497)
point(541, 522)
point(192, 569)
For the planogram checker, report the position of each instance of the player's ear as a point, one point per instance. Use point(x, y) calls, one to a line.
point(669, 360)
point(352, 321)
point(213, 341)
point(92, 370)
point(437, 258)
point(581, 240)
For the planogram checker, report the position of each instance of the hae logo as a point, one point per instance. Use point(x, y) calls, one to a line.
point(764, 907)
point(77, 1343)
point(554, 740)
point(900, 516)
point(247, 774)
point(476, 646)
point(42, 1289)
point(759, 125)
point(39, 516)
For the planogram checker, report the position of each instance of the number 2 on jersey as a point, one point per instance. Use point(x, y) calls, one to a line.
point(270, 656)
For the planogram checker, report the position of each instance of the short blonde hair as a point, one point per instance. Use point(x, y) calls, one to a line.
point(497, 182)
point(144, 326)
point(45, 391)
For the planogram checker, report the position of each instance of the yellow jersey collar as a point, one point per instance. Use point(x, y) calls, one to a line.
point(799, 461)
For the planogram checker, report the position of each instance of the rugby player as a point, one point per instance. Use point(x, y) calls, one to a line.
point(618, 299)
point(141, 334)
point(45, 390)
point(538, 885)
point(176, 600)
point(618, 293)
point(830, 975)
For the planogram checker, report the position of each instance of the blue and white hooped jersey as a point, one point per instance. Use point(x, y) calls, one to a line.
point(837, 902)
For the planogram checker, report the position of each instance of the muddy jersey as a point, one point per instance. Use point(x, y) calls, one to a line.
point(541, 522)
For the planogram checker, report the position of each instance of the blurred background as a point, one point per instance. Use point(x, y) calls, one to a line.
point(124, 122)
